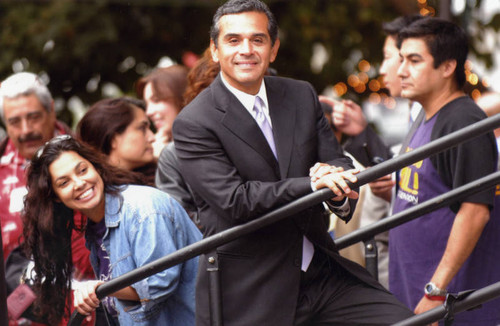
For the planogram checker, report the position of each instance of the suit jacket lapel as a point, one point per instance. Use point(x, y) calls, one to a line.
point(282, 112)
point(240, 122)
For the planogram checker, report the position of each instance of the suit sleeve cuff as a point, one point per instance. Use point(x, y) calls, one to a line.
point(339, 208)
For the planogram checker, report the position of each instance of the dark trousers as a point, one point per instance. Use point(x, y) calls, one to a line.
point(329, 295)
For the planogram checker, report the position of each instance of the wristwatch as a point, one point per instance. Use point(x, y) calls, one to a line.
point(432, 292)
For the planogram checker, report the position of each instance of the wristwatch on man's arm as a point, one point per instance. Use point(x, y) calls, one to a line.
point(432, 292)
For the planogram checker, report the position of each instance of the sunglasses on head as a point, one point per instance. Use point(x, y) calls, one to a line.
point(55, 140)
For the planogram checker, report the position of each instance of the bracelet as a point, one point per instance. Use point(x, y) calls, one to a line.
point(435, 297)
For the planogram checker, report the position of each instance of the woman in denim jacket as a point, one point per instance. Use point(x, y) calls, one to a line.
point(129, 226)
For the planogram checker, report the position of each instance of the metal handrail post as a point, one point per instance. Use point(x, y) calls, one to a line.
point(214, 290)
point(371, 257)
point(216, 240)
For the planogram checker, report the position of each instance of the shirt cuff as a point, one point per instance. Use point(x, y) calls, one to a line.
point(339, 208)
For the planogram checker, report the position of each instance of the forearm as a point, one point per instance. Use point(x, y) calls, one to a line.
point(86, 301)
point(128, 293)
point(465, 233)
point(466, 230)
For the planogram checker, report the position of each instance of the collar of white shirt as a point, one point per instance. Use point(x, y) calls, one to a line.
point(248, 100)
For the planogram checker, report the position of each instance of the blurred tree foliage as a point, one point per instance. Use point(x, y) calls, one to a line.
point(348, 31)
point(83, 46)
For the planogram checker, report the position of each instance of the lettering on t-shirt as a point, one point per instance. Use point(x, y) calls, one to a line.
point(408, 182)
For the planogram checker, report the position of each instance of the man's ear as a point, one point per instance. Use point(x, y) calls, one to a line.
point(274, 50)
point(213, 50)
point(448, 68)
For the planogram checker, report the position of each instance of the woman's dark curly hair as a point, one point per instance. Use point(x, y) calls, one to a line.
point(47, 223)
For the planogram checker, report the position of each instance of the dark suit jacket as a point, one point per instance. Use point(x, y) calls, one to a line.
point(170, 180)
point(235, 178)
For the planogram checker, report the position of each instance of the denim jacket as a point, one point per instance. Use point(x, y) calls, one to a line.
point(144, 224)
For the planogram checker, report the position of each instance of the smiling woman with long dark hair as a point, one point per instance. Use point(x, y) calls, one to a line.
point(128, 226)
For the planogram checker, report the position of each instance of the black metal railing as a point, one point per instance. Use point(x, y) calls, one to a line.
point(446, 199)
point(214, 241)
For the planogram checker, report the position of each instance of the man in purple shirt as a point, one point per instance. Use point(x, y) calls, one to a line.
point(455, 248)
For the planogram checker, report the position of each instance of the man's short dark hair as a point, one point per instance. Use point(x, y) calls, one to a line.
point(445, 41)
point(393, 27)
point(240, 6)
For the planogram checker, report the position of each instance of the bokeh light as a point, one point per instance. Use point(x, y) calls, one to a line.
point(473, 79)
point(475, 94)
point(353, 81)
point(363, 77)
point(361, 88)
point(364, 66)
point(390, 103)
point(374, 85)
point(375, 98)
point(340, 89)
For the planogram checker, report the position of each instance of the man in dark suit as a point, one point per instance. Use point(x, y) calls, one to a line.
point(288, 273)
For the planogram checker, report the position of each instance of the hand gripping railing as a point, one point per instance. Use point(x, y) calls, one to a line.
point(453, 306)
point(292, 208)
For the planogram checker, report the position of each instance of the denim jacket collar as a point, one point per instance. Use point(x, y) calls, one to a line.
point(112, 210)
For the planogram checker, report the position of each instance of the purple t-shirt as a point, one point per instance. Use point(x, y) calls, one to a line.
point(416, 247)
point(95, 234)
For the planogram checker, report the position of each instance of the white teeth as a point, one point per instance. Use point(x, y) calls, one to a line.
point(85, 194)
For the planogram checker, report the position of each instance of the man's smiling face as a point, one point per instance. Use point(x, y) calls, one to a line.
point(244, 50)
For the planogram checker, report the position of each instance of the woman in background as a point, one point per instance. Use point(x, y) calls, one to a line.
point(163, 90)
point(120, 129)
